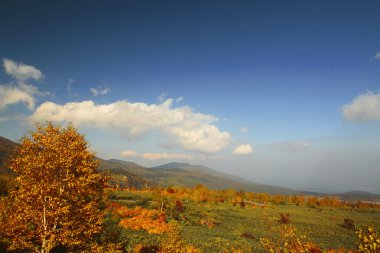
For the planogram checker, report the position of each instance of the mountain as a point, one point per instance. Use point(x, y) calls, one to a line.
point(190, 175)
point(200, 168)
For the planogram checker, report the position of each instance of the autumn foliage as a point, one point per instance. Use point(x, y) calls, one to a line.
point(369, 240)
point(138, 218)
point(288, 240)
point(57, 194)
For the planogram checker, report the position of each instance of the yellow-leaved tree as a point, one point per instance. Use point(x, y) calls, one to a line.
point(58, 190)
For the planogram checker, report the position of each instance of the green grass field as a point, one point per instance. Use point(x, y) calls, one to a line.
point(322, 226)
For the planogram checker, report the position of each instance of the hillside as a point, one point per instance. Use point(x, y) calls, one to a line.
point(183, 174)
point(7, 147)
point(200, 168)
point(125, 174)
point(359, 196)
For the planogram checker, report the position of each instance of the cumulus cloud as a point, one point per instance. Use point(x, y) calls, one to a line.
point(100, 90)
point(244, 149)
point(12, 95)
point(185, 128)
point(365, 107)
point(21, 71)
point(20, 91)
point(292, 146)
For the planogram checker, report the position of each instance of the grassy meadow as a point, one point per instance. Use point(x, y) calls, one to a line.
point(223, 227)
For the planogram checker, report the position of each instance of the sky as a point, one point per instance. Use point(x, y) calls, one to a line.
point(277, 92)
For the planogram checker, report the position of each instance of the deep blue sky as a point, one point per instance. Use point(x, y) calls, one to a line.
point(276, 75)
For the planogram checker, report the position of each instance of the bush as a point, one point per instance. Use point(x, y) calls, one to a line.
point(284, 218)
point(349, 224)
point(179, 206)
point(247, 235)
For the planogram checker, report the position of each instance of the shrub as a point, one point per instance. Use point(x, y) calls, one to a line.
point(179, 206)
point(284, 218)
point(349, 224)
point(139, 248)
point(247, 235)
point(209, 222)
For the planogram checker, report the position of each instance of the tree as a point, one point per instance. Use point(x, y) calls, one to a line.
point(57, 194)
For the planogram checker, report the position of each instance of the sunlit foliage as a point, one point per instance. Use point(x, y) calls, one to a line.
point(138, 218)
point(174, 244)
point(288, 241)
point(369, 240)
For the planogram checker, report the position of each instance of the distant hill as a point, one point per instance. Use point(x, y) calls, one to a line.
point(190, 175)
point(358, 196)
point(181, 174)
point(200, 168)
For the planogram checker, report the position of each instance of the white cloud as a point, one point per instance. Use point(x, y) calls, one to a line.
point(162, 96)
point(377, 56)
point(12, 95)
point(31, 89)
point(365, 107)
point(100, 90)
point(167, 156)
point(244, 149)
point(183, 127)
point(20, 91)
point(21, 71)
point(129, 153)
point(292, 146)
